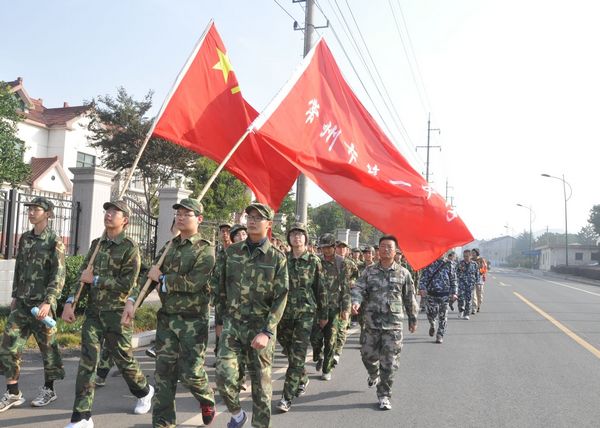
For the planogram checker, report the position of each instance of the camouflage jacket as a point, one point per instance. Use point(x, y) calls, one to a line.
point(439, 279)
point(382, 294)
point(254, 286)
point(40, 268)
point(215, 277)
point(117, 266)
point(337, 278)
point(354, 271)
point(467, 274)
point(187, 268)
point(307, 294)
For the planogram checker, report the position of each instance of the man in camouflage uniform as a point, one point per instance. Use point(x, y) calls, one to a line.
point(226, 240)
point(467, 273)
point(381, 291)
point(438, 284)
point(306, 300)
point(351, 273)
point(183, 284)
point(108, 283)
point(367, 254)
point(251, 297)
point(478, 294)
point(38, 280)
point(336, 282)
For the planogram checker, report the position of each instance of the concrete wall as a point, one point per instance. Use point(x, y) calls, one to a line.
point(7, 268)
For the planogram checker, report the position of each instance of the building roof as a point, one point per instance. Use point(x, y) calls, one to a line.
point(41, 166)
point(37, 112)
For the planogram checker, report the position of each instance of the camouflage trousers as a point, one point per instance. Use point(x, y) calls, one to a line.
point(465, 295)
point(106, 327)
point(478, 297)
point(437, 309)
point(293, 335)
point(106, 362)
point(342, 335)
point(19, 326)
point(323, 340)
point(380, 352)
point(234, 346)
point(181, 344)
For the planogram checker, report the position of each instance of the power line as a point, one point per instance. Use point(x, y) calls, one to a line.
point(287, 13)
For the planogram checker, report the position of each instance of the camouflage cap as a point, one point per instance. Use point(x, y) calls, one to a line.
point(120, 205)
point(356, 250)
point(190, 204)
point(341, 244)
point(263, 209)
point(327, 240)
point(235, 229)
point(367, 249)
point(41, 202)
point(222, 225)
point(297, 226)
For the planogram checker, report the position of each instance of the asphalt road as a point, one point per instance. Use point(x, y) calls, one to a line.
point(531, 358)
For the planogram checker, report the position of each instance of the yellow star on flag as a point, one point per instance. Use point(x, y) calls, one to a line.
point(224, 65)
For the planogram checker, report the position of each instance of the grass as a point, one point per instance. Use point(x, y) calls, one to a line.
point(69, 335)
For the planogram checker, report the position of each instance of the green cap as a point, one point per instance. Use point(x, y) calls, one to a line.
point(222, 225)
point(41, 202)
point(120, 205)
point(356, 250)
point(263, 209)
point(190, 204)
point(327, 240)
point(367, 249)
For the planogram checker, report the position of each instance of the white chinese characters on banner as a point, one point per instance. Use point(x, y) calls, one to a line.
point(313, 110)
point(332, 132)
point(373, 170)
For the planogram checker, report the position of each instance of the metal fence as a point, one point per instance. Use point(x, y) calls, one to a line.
point(14, 219)
point(142, 228)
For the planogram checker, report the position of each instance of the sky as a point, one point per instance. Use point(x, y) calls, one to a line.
point(512, 86)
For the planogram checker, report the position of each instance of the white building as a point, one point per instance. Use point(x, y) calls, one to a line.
point(56, 139)
point(554, 255)
point(495, 250)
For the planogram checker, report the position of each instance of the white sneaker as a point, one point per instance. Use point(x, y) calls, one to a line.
point(384, 403)
point(143, 404)
point(336, 359)
point(45, 397)
point(9, 400)
point(84, 423)
point(326, 376)
point(467, 317)
point(460, 315)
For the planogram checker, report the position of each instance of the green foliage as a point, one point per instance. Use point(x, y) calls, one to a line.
point(226, 195)
point(330, 216)
point(12, 168)
point(73, 267)
point(587, 235)
point(118, 126)
point(145, 318)
point(594, 218)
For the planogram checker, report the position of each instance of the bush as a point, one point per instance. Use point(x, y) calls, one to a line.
point(73, 267)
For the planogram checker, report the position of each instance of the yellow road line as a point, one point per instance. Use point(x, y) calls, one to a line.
point(561, 327)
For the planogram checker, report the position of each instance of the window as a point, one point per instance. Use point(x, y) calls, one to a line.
point(84, 160)
point(578, 256)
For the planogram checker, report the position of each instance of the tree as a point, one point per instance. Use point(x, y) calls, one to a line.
point(328, 217)
point(118, 127)
point(13, 169)
point(594, 218)
point(226, 195)
point(587, 235)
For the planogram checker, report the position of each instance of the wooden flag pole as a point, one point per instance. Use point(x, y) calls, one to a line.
point(139, 299)
point(89, 266)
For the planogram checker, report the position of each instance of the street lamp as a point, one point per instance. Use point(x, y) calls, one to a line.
point(531, 214)
point(565, 184)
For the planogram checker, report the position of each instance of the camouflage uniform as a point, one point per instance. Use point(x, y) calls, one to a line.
point(251, 297)
point(439, 280)
point(468, 277)
point(116, 268)
point(182, 325)
point(336, 282)
point(350, 274)
point(382, 292)
point(306, 300)
point(39, 277)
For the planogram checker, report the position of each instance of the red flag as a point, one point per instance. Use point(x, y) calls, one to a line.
point(320, 126)
point(206, 113)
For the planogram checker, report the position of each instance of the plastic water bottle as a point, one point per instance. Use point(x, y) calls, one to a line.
point(49, 321)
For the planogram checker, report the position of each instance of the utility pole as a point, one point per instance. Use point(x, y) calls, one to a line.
point(429, 146)
point(309, 30)
point(447, 188)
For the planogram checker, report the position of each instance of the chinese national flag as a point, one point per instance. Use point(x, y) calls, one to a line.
point(319, 125)
point(206, 113)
